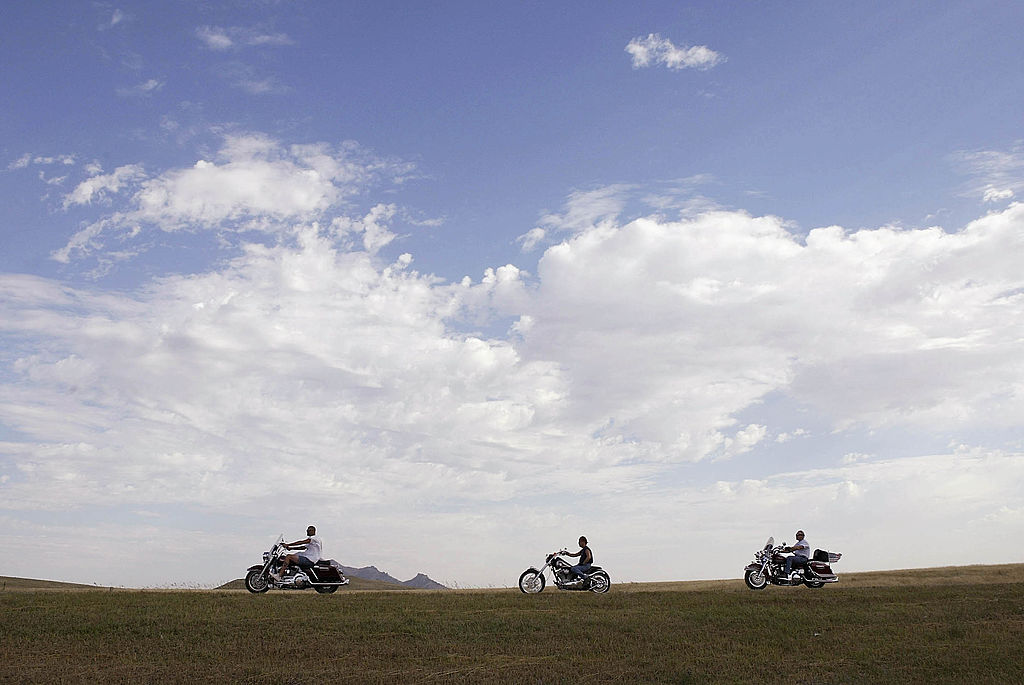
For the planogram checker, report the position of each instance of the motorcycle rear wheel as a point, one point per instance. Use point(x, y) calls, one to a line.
point(531, 582)
point(815, 583)
point(325, 590)
point(755, 580)
point(600, 582)
point(256, 582)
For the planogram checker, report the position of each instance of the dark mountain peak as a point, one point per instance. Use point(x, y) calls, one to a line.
point(420, 581)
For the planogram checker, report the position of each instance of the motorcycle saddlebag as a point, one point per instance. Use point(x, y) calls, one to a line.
point(820, 555)
point(326, 572)
point(821, 568)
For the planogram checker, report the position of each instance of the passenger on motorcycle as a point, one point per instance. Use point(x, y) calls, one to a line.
point(801, 550)
point(310, 554)
point(586, 558)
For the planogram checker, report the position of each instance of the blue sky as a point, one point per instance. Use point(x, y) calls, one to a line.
point(460, 283)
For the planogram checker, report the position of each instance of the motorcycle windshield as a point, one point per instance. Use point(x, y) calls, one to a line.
point(770, 543)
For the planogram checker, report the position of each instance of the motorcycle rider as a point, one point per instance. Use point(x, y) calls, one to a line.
point(310, 554)
point(586, 558)
point(801, 550)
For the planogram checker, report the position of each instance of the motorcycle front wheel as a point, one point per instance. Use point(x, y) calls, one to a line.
point(256, 582)
point(600, 582)
point(531, 582)
point(755, 580)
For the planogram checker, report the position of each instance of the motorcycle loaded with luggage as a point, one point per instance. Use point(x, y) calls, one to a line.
point(769, 568)
point(325, 576)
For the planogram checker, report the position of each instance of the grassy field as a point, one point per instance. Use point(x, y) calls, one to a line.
point(960, 625)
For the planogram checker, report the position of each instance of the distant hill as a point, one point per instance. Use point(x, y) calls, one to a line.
point(8, 583)
point(420, 581)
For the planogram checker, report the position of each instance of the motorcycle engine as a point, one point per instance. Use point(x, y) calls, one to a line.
point(300, 580)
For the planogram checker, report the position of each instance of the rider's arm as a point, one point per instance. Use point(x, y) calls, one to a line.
point(296, 544)
point(573, 554)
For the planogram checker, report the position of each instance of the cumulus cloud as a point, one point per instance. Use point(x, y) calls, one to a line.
point(642, 354)
point(655, 50)
point(252, 182)
point(705, 317)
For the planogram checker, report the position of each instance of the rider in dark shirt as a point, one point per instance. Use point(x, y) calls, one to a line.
point(586, 558)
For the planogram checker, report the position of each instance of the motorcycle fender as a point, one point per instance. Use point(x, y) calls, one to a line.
point(532, 568)
point(753, 567)
point(257, 567)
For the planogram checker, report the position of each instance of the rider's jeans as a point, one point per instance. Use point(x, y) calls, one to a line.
point(795, 560)
point(580, 569)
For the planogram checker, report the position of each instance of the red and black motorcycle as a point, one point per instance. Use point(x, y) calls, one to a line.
point(769, 568)
point(325, 576)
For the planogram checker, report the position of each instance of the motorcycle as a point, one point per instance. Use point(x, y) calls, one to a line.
point(594, 580)
point(769, 568)
point(325, 576)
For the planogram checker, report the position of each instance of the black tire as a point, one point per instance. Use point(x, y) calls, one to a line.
point(814, 584)
point(325, 589)
point(600, 582)
point(755, 580)
point(256, 582)
point(531, 582)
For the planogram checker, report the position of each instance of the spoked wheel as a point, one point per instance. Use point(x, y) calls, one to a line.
point(755, 580)
point(325, 589)
point(531, 582)
point(600, 582)
point(256, 582)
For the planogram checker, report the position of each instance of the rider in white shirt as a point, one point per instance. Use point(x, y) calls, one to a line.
point(312, 549)
point(801, 550)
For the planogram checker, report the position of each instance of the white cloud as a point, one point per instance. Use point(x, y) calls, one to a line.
point(993, 194)
point(28, 159)
point(531, 238)
point(143, 89)
point(587, 209)
point(654, 50)
point(221, 39)
point(252, 183)
point(308, 369)
point(214, 38)
point(671, 328)
point(997, 175)
point(103, 184)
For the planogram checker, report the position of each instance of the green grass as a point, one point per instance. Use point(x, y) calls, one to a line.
point(950, 631)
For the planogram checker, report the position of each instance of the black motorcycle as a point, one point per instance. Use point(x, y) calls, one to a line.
point(594, 580)
point(769, 568)
point(324, 576)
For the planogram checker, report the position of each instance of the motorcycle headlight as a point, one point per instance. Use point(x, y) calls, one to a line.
point(266, 557)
